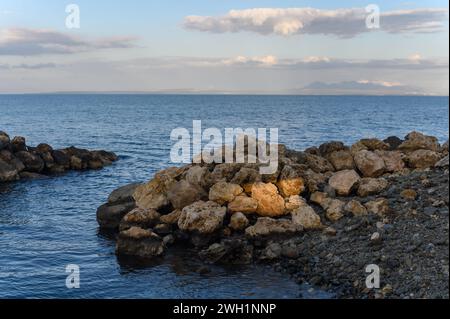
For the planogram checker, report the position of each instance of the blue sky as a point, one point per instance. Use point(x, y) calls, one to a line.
point(158, 31)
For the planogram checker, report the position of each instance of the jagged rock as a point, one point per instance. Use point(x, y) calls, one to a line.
point(369, 163)
point(442, 163)
point(344, 181)
point(341, 160)
point(392, 159)
point(246, 177)
point(7, 172)
point(224, 172)
point(318, 164)
point(356, 208)
point(109, 216)
point(314, 180)
point(417, 141)
point(294, 202)
point(290, 182)
point(183, 193)
point(330, 147)
point(335, 210)
point(223, 192)
point(198, 175)
point(306, 217)
point(238, 221)
point(266, 226)
point(143, 218)
point(393, 142)
point(171, 218)
point(371, 186)
point(202, 217)
point(123, 194)
point(270, 203)
point(243, 204)
point(380, 206)
point(139, 242)
point(444, 148)
point(422, 159)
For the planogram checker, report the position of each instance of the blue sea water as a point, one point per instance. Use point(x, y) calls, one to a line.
point(47, 224)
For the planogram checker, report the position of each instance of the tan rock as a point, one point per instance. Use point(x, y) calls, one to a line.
point(373, 144)
point(358, 146)
point(380, 206)
point(289, 182)
point(341, 160)
point(294, 202)
point(392, 159)
point(246, 177)
point(202, 217)
point(422, 159)
point(306, 217)
point(318, 164)
point(183, 193)
point(321, 199)
point(418, 141)
point(243, 204)
point(266, 226)
point(409, 194)
point(223, 192)
point(344, 181)
point(224, 172)
point(356, 208)
point(270, 203)
point(238, 221)
point(198, 175)
point(335, 210)
point(369, 163)
point(171, 218)
point(144, 218)
point(371, 186)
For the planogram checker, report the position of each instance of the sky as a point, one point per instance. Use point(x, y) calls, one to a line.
point(225, 46)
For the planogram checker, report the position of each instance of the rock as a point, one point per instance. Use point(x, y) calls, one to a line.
point(168, 240)
point(202, 217)
point(49, 162)
point(306, 217)
point(330, 147)
point(198, 175)
point(33, 163)
point(162, 229)
point(369, 163)
point(61, 158)
point(442, 163)
point(417, 141)
point(18, 144)
point(409, 194)
point(335, 210)
point(30, 175)
point(318, 164)
point(139, 242)
point(224, 172)
point(314, 180)
point(321, 199)
point(243, 204)
point(44, 148)
point(371, 186)
point(422, 159)
point(246, 177)
point(271, 252)
point(330, 231)
point(356, 208)
point(235, 252)
point(373, 144)
point(341, 160)
point(139, 217)
point(270, 203)
point(223, 192)
point(444, 148)
point(238, 221)
point(289, 182)
point(380, 206)
point(183, 193)
point(7, 172)
point(4, 140)
point(171, 218)
point(294, 202)
point(11, 160)
point(393, 142)
point(375, 238)
point(109, 216)
point(393, 160)
point(123, 194)
point(77, 164)
point(266, 226)
point(344, 181)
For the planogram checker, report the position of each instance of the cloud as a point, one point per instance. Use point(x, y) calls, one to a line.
point(28, 42)
point(343, 23)
point(28, 66)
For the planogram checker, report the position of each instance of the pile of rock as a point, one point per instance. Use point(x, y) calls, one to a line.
point(232, 213)
point(18, 160)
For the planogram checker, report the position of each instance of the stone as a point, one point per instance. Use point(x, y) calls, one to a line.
point(44, 148)
point(318, 164)
point(379, 206)
point(33, 163)
point(183, 193)
point(371, 186)
point(238, 221)
point(330, 147)
point(271, 251)
point(4, 140)
point(375, 238)
point(393, 142)
point(266, 226)
point(409, 194)
point(294, 202)
point(344, 181)
point(11, 160)
point(168, 240)
point(18, 144)
point(417, 141)
point(369, 163)
point(330, 231)
point(139, 217)
point(356, 208)
point(243, 204)
point(230, 252)
point(109, 216)
point(246, 177)
point(31, 175)
point(171, 218)
point(373, 144)
point(198, 175)
point(341, 160)
point(320, 199)
point(306, 217)
point(140, 243)
point(442, 163)
point(422, 159)
point(202, 217)
point(77, 164)
point(7, 172)
point(289, 182)
point(224, 172)
point(270, 203)
point(123, 194)
point(61, 158)
point(223, 192)
point(393, 160)
point(335, 210)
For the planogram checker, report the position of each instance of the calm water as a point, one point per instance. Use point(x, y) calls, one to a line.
point(47, 224)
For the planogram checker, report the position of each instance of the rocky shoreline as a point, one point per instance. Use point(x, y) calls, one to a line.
point(326, 214)
point(21, 161)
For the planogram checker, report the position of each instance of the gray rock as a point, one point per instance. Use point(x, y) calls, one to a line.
point(123, 194)
point(109, 216)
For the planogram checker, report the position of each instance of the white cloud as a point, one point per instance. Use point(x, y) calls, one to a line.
point(339, 22)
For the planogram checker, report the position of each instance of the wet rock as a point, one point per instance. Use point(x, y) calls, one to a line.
point(369, 163)
point(335, 210)
point(183, 193)
point(171, 218)
point(109, 216)
point(139, 217)
point(31, 176)
point(223, 192)
point(270, 203)
point(306, 217)
point(7, 172)
point(371, 186)
point(139, 242)
point(236, 252)
point(18, 144)
point(417, 141)
point(272, 251)
point(238, 221)
point(290, 182)
point(356, 208)
point(341, 160)
point(375, 238)
point(11, 160)
point(266, 226)
point(61, 158)
point(379, 206)
point(162, 229)
point(202, 217)
point(4, 140)
point(33, 163)
point(344, 182)
point(409, 194)
point(123, 194)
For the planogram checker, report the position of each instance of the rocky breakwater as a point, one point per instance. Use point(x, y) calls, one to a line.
point(322, 216)
point(21, 161)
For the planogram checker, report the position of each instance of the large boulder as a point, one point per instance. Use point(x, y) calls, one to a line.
point(33, 163)
point(198, 175)
point(123, 194)
point(171, 218)
point(10, 159)
point(139, 242)
point(109, 216)
point(143, 218)
point(243, 204)
point(422, 159)
point(344, 181)
point(61, 158)
point(270, 203)
point(341, 160)
point(18, 144)
point(371, 186)
point(266, 226)
point(7, 172)
point(369, 163)
point(373, 144)
point(392, 159)
point(290, 182)
point(306, 217)
point(246, 177)
point(183, 193)
point(202, 217)
point(417, 141)
point(4, 140)
point(223, 192)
